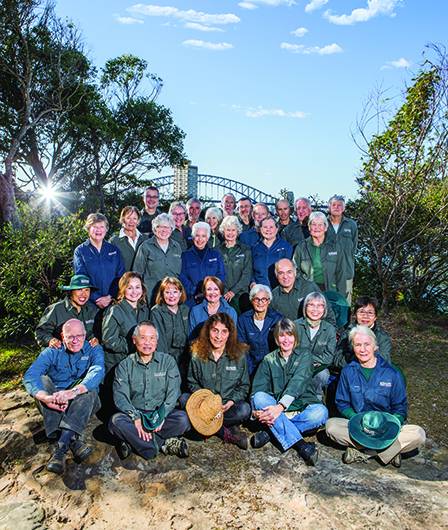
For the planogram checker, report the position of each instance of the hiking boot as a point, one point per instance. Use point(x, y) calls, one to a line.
point(352, 455)
point(396, 460)
point(260, 439)
point(175, 446)
point(124, 450)
point(308, 451)
point(80, 450)
point(235, 437)
point(56, 464)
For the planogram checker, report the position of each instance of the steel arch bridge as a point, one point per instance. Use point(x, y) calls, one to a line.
point(214, 187)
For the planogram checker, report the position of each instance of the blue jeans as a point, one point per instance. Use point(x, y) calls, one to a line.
point(320, 381)
point(289, 431)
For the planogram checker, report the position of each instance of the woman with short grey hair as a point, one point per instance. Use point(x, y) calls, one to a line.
point(213, 216)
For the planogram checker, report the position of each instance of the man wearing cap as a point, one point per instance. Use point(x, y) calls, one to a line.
point(371, 397)
point(75, 305)
point(146, 389)
point(64, 380)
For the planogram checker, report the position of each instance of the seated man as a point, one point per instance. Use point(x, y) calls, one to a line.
point(75, 305)
point(367, 384)
point(65, 382)
point(146, 389)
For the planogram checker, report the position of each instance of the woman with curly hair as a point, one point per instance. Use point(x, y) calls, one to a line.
point(218, 363)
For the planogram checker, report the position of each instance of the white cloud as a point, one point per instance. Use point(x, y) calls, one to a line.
point(329, 49)
point(315, 4)
point(363, 14)
point(261, 112)
point(299, 32)
point(273, 3)
point(128, 20)
point(201, 27)
point(215, 46)
point(247, 5)
point(399, 63)
point(189, 16)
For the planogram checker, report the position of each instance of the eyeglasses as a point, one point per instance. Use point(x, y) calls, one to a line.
point(152, 196)
point(72, 338)
point(367, 313)
point(260, 300)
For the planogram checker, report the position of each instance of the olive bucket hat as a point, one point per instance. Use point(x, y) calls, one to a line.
point(374, 429)
point(204, 410)
point(78, 281)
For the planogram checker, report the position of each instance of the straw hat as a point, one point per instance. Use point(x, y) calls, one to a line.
point(205, 411)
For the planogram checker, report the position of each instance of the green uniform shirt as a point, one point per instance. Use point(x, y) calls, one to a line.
point(318, 272)
point(229, 379)
point(347, 238)
point(322, 346)
point(127, 250)
point(290, 384)
point(56, 315)
point(139, 386)
point(118, 325)
point(238, 266)
point(172, 329)
point(293, 233)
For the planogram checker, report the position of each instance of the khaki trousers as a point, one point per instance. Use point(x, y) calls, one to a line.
point(410, 437)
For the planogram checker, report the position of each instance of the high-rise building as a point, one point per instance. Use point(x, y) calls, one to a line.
point(185, 183)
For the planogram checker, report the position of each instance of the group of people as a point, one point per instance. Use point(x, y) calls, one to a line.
point(178, 325)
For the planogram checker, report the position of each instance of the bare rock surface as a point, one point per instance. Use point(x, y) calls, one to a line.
point(217, 487)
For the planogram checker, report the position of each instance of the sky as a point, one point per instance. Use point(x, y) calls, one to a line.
point(269, 92)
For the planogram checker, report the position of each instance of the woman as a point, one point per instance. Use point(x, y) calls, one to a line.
point(213, 216)
point(218, 364)
point(369, 384)
point(283, 396)
point(121, 318)
point(181, 232)
point(129, 238)
point(170, 316)
point(319, 260)
point(267, 251)
point(255, 326)
point(214, 302)
point(319, 337)
point(237, 261)
point(158, 257)
point(198, 262)
point(366, 314)
point(99, 260)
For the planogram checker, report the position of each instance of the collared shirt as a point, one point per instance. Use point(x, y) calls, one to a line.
point(322, 343)
point(264, 258)
point(172, 328)
point(132, 242)
point(65, 368)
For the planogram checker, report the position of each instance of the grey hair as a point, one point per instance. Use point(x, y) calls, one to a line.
point(213, 210)
point(201, 225)
point(136, 331)
point(290, 261)
point(315, 296)
point(93, 218)
point(228, 195)
point(268, 218)
point(336, 198)
point(228, 221)
point(258, 287)
point(304, 199)
point(192, 200)
point(71, 321)
point(177, 204)
point(163, 218)
point(362, 330)
point(317, 215)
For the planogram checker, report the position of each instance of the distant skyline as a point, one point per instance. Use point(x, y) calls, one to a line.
point(268, 91)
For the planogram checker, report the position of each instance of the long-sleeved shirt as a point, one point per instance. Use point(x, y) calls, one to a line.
point(238, 267)
point(264, 258)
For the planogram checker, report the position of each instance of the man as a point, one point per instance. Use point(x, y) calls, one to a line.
point(245, 213)
point(228, 204)
point(368, 384)
point(151, 209)
point(147, 387)
point(259, 213)
point(344, 231)
point(283, 211)
point(194, 207)
point(65, 382)
point(75, 305)
point(297, 232)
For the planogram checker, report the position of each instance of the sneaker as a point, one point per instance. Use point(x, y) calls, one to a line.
point(80, 450)
point(352, 455)
point(56, 464)
point(260, 439)
point(175, 446)
point(309, 452)
point(123, 449)
point(235, 437)
point(396, 460)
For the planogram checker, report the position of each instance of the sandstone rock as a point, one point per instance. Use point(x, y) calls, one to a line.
point(27, 515)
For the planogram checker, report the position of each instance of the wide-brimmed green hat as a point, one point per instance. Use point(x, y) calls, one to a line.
point(153, 419)
point(78, 281)
point(374, 429)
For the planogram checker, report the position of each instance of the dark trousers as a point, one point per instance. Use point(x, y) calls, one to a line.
point(175, 424)
point(75, 417)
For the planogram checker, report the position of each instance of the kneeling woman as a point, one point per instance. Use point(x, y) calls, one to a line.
point(218, 363)
point(284, 397)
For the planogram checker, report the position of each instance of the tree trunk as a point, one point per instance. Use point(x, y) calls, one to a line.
point(8, 206)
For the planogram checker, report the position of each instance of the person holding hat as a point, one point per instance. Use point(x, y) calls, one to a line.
point(75, 305)
point(146, 389)
point(218, 364)
point(371, 397)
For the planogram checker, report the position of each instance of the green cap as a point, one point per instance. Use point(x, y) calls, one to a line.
point(152, 419)
point(78, 281)
point(374, 429)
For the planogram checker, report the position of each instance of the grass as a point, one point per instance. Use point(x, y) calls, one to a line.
point(14, 360)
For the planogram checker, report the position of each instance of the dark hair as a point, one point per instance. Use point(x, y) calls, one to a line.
point(363, 301)
point(202, 346)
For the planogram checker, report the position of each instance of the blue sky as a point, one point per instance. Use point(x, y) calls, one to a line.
point(268, 91)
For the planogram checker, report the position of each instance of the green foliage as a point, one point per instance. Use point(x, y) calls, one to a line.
point(35, 261)
point(14, 361)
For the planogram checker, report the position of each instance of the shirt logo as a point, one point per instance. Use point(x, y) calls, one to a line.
point(231, 368)
point(332, 253)
point(387, 384)
point(159, 374)
point(85, 358)
point(212, 259)
point(90, 321)
point(112, 253)
point(347, 230)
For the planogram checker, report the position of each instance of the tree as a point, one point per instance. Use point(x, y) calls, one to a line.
point(403, 205)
